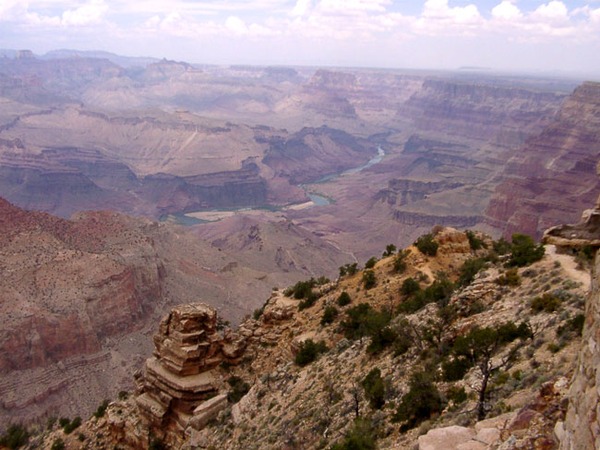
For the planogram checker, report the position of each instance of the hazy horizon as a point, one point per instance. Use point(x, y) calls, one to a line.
point(526, 36)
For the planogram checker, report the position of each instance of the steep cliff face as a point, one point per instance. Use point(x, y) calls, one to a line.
point(551, 179)
point(581, 428)
point(66, 180)
point(501, 114)
point(63, 290)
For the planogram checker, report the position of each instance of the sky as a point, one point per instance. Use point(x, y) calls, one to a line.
point(560, 37)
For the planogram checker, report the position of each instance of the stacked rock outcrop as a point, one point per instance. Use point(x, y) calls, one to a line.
point(179, 387)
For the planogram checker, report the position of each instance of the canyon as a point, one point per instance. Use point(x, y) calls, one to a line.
point(104, 160)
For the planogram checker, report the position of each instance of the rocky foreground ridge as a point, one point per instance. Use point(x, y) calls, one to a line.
point(332, 369)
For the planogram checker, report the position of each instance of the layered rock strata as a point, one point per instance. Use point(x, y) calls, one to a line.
point(179, 387)
point(551, 178)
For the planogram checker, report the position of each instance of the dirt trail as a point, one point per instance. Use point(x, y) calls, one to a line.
point(570, 266)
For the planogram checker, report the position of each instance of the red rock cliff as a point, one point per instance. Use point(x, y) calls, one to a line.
point(551, 179)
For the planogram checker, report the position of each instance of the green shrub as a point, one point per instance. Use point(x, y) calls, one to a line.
point(15, 436)
point(58, 444)
point(547, 303)
point(374, 388)
point(156, 444)
point(456, 368)
point(509, 278)
point(371, 262)
point(101, 410)
point(380, 338)
point(362, 320)
point(421, 402)
point(239, 388)
point(456, 395)
point(469, 269)
point(501, 246)
point(344, 299)
point(509, 331)
point(72, 426)
point(474, 242)
point(427, 245)
point(400, 261)
point(573, 327)
point(409, 287)
point(309, 351)
point(329, 315)
point(524, 251)
point(439, 292)
point(348, 269)
point(405, 337)
point(390, 249)
point(368, 279)
point(309, 301)
point(258, 312)
point(360, 437)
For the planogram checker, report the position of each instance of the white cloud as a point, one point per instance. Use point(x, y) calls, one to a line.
point(555, 11)
point(89, 13)
point(352, 6)
point(301, 8)
point(439, 18)
point(507, 11)
point(12, 9)
point(236, 25)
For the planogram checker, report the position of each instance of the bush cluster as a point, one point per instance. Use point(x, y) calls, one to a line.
point(368, 279)
point(101, 410)
point(309, 351)
point(329, 315)
point(400, 261)
point(474, 242)
point(348, 269)
point(344, 299)
point(547, 303)
point(427, 245)
point(15, 436)
point(374, 388)
point(371, 262)
point(524, 251)
point(439, 292)
point(360, 437)
point(420, 402)
point(239, 388)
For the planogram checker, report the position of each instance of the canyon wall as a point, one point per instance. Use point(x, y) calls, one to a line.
point(551, 179)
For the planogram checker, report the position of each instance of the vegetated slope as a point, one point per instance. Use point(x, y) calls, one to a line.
point(553, 176)
point(376, 358)
point(80, 296)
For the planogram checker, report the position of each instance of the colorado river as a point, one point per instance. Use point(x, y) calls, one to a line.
point(316, 198)
point(320, 200)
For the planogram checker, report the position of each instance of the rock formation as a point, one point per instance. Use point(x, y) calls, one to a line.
point(178, 388)
point(581, 428)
